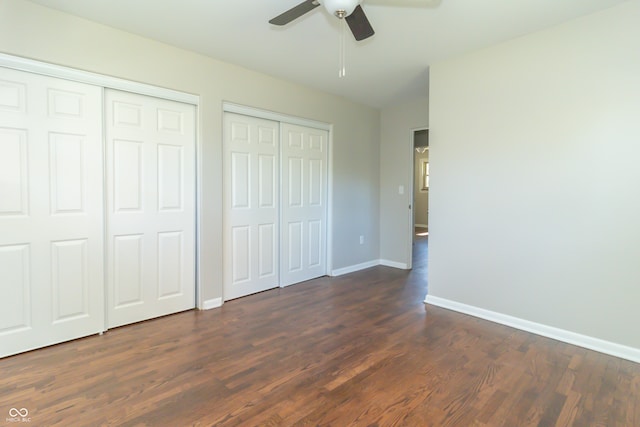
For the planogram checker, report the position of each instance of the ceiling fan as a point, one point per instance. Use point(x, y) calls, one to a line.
point(349, 10)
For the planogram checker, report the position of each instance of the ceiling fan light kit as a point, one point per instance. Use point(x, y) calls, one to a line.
point(340, 8)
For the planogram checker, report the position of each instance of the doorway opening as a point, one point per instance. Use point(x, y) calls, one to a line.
point(420, 186)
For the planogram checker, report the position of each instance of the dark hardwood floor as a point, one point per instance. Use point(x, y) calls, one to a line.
point(357, 350)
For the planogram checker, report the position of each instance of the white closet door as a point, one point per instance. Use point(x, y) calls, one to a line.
point(251, 197)
point(51, 211)
point(304, 204)
point(150, 207)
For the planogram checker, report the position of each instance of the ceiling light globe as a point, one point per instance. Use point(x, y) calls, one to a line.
point(333, 6)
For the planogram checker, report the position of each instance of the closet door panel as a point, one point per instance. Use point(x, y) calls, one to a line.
point(51, 211)
point(304, 204)
point(251, 205)
point(150, 207)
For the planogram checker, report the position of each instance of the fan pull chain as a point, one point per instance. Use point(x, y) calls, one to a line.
point(342, 70)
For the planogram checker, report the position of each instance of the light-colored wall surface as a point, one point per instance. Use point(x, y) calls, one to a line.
point(396, 161)
point(420, 197)
point(39, 33)
point(534, 148)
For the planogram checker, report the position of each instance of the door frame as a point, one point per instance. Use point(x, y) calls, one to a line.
point(412, 201)
point(230, 107)
point(108, 82)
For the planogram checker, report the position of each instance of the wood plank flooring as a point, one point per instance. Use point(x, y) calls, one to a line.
point(357, 350)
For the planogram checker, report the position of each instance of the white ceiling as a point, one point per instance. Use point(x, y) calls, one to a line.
point(388, 68)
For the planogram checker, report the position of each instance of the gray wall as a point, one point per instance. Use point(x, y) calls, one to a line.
point(39, 33)
point(534, 148)
point(396, 160)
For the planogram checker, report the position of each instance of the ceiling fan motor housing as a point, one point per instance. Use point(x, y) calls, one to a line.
point(340, 8)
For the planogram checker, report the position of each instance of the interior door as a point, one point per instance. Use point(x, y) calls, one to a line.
point(150, 207)
point(251, 197)
point(51, 211)
point(304, 204)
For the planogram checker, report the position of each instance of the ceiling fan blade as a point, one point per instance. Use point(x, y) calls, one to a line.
point(359, 24)
point(295, 12)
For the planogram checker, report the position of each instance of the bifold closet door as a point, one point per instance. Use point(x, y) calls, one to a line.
point(51, 211)
point(151, 213)
point(251, 204)
point(304, 204)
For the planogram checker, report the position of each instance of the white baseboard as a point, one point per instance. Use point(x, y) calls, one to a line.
point(368, 264)
point(212, 303)
point(596, 344)
point(354, 268)
point(394, 264)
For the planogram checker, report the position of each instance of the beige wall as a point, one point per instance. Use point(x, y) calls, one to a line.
point(420, 197)
point(534, 147)
point(396, 161)
point(39, 33)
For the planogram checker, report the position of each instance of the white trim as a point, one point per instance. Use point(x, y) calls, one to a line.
point(81, 76)
point(354, 268)
point(591, 343)
point(211, 303)
point(200, 303)
point(395, 264)
point(368, 264)
point(229, 107)
point(105, 212)
point(421, 225)
point(329, 230)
